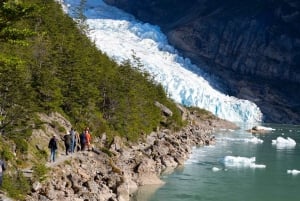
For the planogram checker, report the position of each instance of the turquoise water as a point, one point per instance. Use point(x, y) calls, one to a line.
point(206, 177)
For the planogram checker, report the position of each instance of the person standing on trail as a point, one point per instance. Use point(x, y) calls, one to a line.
point(73, 140)
point(88, 138)
point(82, 138)
point(68, 141)
point(77, 142)
point(2, 169)
point(52, 146)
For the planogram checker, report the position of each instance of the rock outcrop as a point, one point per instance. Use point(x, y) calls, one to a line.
point(251, 47)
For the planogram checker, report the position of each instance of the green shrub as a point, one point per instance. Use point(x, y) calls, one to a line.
point(105, 150)
point(201, 113)
point(16, 185)
point(67, 162)
point(21, 145)
point(5, 151)
point(40, 171)
point(56, 125)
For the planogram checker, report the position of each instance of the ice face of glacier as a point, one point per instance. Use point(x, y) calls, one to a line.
point(121, 36)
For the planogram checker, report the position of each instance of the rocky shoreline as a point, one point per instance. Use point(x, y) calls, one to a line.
point(114, 174)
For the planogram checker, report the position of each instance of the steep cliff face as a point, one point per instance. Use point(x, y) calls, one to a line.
point(252, 46)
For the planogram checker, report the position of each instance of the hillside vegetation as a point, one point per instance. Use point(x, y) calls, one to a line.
point(47, 64)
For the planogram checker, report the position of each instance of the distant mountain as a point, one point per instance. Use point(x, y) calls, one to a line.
point(251, 46)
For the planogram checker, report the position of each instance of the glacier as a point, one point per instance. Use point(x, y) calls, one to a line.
point(122, 37)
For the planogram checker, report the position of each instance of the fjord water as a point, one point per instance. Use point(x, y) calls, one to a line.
point(206, 177)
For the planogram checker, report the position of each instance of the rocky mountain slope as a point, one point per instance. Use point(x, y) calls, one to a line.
point(251, 47)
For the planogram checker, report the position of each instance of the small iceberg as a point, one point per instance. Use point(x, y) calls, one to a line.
point(253, 140)
point(215, 169)
point(293, 172)
point(238, 161)
point(280, 142)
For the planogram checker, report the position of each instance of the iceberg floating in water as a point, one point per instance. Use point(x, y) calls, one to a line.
point(253, 140)
point(280, 142)
point(238, 161)
point(215, 169)
point(122, 38)
point(293, 172)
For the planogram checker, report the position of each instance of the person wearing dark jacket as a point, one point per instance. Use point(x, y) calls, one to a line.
point(68, 142)
point(82, 138)
point(52, 146)
point(2, 169)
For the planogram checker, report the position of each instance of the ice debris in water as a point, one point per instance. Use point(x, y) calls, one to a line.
point(293, 172)
point(284, 143)
point(238, 161)
point(215, 169)
point(253, 140)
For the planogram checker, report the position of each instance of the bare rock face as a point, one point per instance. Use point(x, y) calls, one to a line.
point(251, 47)
point(83, 176)
point(147, 173)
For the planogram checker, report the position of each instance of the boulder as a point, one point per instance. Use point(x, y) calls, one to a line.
point(166, 111)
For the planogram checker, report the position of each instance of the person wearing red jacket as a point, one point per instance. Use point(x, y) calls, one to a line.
point(88, 138)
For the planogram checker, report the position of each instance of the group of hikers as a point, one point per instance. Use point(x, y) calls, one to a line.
point(73, 142)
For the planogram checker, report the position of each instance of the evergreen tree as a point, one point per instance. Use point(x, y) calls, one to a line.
point(15, 94)
point(15, 91)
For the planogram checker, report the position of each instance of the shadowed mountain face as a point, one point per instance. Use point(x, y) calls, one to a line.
point(251, 46)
